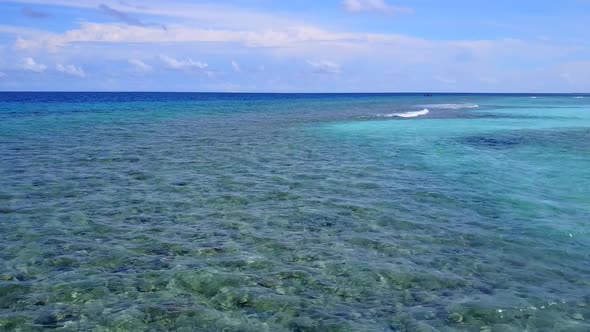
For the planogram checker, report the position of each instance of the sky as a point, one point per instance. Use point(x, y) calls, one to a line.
point(295, 46)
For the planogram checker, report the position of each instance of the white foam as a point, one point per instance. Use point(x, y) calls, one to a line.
point(451, 106)
point(533, 97)
point(579, 97)
point(407, 114)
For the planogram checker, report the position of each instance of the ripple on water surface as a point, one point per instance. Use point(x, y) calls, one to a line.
point(264, 214)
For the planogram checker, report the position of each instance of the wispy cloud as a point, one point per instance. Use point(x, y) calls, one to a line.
point(324, 67)
point(182, 64)
point(211, 74)
point(380, 6)
point(576, 74)
point(236, 67)
point(23, 31)
point(71, 70)
point(209, 14)
point(131, 5)
point(127, 18)
point(140, 66)
point(29, 64)
point(32, 13)
point(445, 80)
point(121, 16)
point(289, 37)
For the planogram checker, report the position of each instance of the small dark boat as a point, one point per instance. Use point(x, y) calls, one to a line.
point(428, 95)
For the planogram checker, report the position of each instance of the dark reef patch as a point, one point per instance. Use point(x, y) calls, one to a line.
point(563, 138)
point(500, 142)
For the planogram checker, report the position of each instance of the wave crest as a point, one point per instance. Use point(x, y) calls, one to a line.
point(407, 114)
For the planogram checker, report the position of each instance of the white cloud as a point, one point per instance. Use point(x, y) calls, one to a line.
point(19, 30)
point(304, 42)
point(182, 64)
point(29, 64)
point(356, 6)
point(441, 62)
point(236, 67)
point(70, 70)
point(324, 67)
point(140, 66)
point(293, 38)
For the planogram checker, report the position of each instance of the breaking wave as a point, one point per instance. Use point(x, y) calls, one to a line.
point(407, 114)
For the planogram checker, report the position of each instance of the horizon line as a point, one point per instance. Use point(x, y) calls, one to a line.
point(292, 92)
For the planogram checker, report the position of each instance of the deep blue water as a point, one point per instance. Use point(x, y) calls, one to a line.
point(300, 212)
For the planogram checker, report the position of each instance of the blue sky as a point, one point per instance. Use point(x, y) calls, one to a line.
point(295, 46)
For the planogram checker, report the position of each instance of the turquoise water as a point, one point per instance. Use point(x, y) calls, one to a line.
point(221, 212)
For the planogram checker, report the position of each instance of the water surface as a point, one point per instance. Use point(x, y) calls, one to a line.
point(245, 212)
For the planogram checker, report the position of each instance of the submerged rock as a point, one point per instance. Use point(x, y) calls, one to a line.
point(456, 317)
point(64, 262)
point(53, 319)
point(47, 320)
point(6, 276)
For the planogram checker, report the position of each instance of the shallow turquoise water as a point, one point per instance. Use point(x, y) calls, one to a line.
point(130, 212)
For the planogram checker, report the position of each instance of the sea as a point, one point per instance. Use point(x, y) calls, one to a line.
point(294, 212)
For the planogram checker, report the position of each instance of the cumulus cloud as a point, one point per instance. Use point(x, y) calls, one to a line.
point(324, 67)
point(70, 70)
point(32, 13)
point(356, 6)
point(140, 66)
point(29, 64)
point(182, 64)
point(236, 67)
